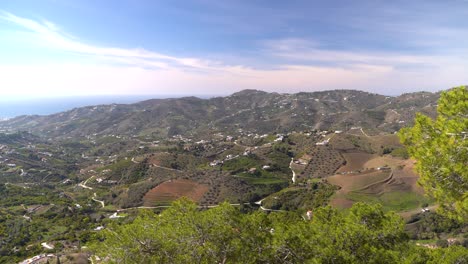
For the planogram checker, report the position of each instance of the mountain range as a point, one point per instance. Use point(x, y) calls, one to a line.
point(247, 110)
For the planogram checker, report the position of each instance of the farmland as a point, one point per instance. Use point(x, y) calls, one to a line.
point(394, 186)
point(355, 161)
point(171, 190)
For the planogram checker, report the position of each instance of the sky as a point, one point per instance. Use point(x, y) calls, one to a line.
point(57, 48)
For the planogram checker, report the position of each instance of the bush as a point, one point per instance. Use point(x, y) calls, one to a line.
point(442, 243)
point(400, 153)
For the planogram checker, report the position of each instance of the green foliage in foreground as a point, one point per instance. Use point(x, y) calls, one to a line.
point(184, 234)
point(441, 148)
point(301, 198)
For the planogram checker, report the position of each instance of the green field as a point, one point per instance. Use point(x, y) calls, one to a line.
point(392, 201)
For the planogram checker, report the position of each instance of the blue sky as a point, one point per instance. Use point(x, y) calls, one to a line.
point(54, 48)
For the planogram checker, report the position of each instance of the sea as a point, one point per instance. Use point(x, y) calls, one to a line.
point(18, 107)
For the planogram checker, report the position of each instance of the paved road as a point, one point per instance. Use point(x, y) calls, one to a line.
point(293, 172)
point(83, 184)
point(96, 200)
point(364, 133)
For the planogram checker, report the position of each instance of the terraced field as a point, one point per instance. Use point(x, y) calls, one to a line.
point(171, 190)
point(396, 188)
point(358, 181)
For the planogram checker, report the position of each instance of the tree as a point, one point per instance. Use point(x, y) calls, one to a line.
point(440, 147)
point(185, 234)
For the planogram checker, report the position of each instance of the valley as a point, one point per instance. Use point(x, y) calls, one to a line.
point(66, 176)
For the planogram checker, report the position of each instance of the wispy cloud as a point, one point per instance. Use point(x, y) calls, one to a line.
point(297, 65)
point(51, 35)
point(304, 51)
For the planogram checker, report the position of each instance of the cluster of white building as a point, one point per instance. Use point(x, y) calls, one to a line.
point(37, 258)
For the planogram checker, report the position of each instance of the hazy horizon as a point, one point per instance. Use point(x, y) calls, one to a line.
point(10, 108)
point(52, 105)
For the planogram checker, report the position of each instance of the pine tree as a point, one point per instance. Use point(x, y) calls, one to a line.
point(440, 147)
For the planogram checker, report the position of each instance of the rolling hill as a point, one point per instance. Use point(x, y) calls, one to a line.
point(248, 110)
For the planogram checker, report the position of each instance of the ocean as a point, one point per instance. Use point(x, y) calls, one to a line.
point(13, 108)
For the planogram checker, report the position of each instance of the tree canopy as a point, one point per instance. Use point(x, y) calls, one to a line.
point(440, 147)
point(185, 234)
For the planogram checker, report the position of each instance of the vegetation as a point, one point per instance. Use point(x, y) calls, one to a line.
point(301, 198)
point(241, 164)
point(325, 161)
point(431, 225)
point(37, 220)
point(83, 182)
point(400, 152)
point(441, 148)
point(392, 201)
point(271, 113)
point(184, 234)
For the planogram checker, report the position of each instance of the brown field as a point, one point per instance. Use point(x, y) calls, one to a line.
point(158, 158)
point(356, 181)
point(360, 181)
point(386, 140)
point(355, 161)
point(383, 161)
point(408, 175)
point(379, 142)
point(353, 182)
point(171, 190)
point(396, 190)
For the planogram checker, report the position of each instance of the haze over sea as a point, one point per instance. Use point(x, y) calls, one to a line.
point(16, 107)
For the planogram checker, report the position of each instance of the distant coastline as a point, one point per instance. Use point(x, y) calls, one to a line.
point(18, 107)
point(13, 108)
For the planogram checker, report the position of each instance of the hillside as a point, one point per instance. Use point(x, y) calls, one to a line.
point(67, 176)
point(248, 110)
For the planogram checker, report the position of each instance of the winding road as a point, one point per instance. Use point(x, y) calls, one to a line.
point(96, 200)
point(293, 172)
point(83, 184)
point(364, 133)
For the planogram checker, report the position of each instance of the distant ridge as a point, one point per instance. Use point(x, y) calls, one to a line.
point(248, 110)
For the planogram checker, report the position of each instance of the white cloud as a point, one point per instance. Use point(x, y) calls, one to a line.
point(71, 79)
point(140, 71)
point(50, 35)
point(304, 51)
